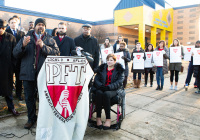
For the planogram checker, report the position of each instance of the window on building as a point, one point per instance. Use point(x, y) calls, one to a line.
point(181, 11)
point(191, 27)
point(180, 38)
point(192, 21)
point(180, 22)
point(193, 10)
point(193, 15)
point(179, 33)
point(180, 27)
point(180, 17)
point(191, 32)
point(191, 38)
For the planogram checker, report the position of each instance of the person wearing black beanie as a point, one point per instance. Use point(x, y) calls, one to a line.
point(40, 20)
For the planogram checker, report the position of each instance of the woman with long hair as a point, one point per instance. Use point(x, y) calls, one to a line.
point(175, 68)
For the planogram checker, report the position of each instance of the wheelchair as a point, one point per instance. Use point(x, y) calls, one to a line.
point(119, 100)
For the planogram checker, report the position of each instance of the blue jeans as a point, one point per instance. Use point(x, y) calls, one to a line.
point(135, 74)
point(160, 76)
point(190, 73)
point(30, 91)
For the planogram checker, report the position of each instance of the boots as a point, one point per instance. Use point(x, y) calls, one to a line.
point(135, 83)
point(138, 83)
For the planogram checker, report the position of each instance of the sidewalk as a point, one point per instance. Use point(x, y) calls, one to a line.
point(150, 114)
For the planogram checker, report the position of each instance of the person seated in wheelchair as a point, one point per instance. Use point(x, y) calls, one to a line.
point(108, 83)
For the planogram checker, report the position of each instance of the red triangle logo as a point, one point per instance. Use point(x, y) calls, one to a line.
point(64, 98)
point(198, 51)
point(189, 49)
point(106, 51)
point(138, 56)
point(175, 50)
point(157, 53)
point(118, 57)
point(148, 55)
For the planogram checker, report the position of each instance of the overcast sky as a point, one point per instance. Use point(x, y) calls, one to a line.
point(91, 10)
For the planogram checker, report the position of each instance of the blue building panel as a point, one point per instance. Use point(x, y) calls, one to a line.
point(124, 4)
point(160, 2)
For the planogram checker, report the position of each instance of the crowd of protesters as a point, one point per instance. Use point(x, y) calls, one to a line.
point(24, 55)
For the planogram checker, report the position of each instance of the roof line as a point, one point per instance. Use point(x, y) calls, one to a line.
point(183, 7)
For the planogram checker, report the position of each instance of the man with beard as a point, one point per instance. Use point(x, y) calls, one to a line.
point(65, 43)
point(31, 25)
point(12, 29)
point(7, 43)
point(33, 49)
point(89, 44)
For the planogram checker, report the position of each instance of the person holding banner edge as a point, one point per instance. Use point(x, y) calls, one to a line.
point(175, 67)
point(161, 70)
point(137, 49)
point(33, 50)
point(149, 48)
point(127, 58)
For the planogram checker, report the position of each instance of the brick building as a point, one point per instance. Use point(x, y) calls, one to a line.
point(146, 21)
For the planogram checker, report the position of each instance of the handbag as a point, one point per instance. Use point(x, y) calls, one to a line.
point(182, 68)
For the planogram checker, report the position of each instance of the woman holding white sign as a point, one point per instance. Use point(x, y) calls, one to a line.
point(161, 70)
point(148, 69)
point(106, 49)
point(176, 50)
point(138, 54)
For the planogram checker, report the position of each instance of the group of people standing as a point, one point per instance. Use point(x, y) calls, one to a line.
point(25, 54)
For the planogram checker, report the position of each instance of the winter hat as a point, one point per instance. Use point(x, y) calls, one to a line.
point(40, 20)
point(3, 23)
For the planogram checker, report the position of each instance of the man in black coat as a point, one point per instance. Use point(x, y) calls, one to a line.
point(33, 49)
point(12, 29)
point(89, 44)
point(65, 43)
point(7, 43)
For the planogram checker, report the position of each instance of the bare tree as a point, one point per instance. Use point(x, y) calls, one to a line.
point(99, 32)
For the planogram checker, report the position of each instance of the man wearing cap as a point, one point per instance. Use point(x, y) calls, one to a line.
point(89, 44)
point(12, 29)
point(65, 43)
point(7, 43)
point(33, 49)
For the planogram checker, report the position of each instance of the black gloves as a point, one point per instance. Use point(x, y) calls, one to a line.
point(124, 57)
point(104, 88)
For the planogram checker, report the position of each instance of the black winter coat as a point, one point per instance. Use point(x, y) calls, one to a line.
point(6, 64)
point(28, 54)
point(126, 60)
point(91, 46)
point(137, 70)
point(116, 80)
point(65, 46)
point(19, 35)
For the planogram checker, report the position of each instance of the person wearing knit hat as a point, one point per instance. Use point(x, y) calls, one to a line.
point(33, 50)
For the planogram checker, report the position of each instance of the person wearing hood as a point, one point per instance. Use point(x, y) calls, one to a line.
point(65, 43)
point(136, 83)
point(127, 58)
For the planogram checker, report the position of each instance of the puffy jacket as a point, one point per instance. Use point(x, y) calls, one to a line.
point(116, 80)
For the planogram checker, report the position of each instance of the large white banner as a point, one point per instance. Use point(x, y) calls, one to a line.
point(196, 56)
point(147, 62)
point(188, 52)
point(63, 98)
point(175, 55)
point(105, 53)
point(158, 58)
point(138, 61)
point(119, 58)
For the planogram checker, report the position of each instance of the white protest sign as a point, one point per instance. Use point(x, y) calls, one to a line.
point(138, 61)
point(119, 58)
point(175, 55)
point(147, 62)
point(158, 58)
